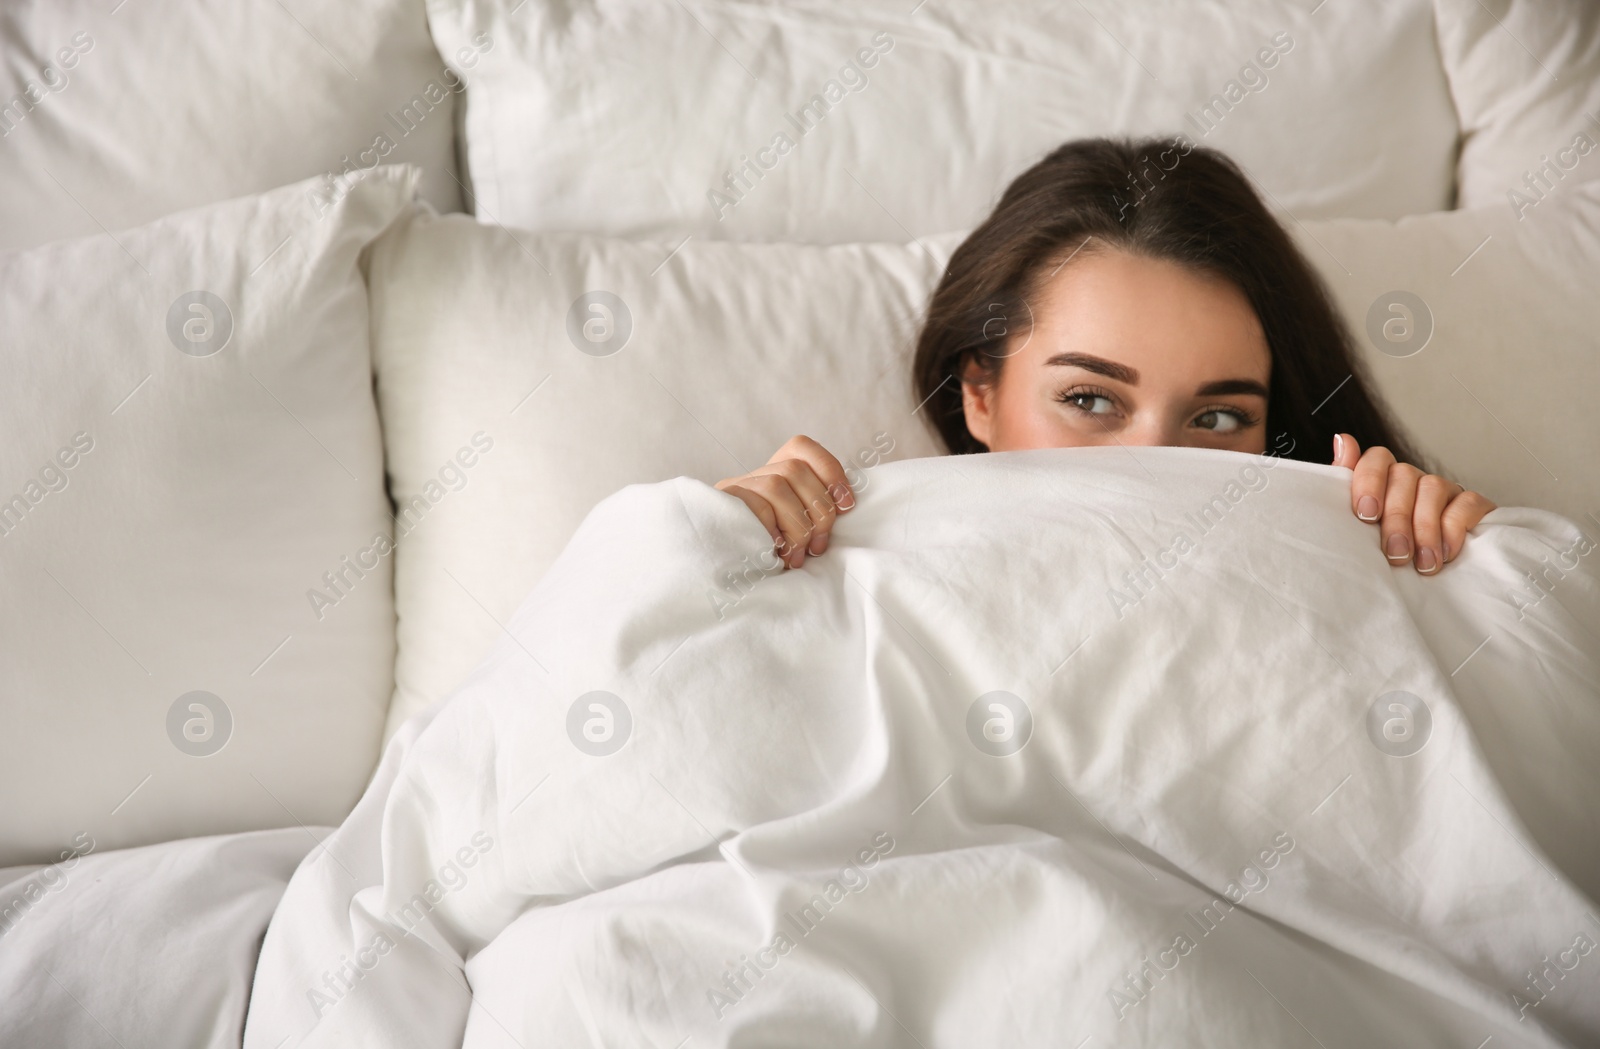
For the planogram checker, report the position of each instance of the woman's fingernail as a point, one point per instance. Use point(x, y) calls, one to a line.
point(1427, 561)
point(1367, 508)
point(818, 545)
point(1447, 549)
point(847, 499)
point(1398, 548)
point(1338, 446)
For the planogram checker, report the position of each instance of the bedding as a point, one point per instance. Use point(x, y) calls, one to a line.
point(135, 947)
point(1139, 746)
point(811, 122)
point(1525, 79)
point(516, 395)
point(1482, 332)
point(114, 114)
point(197, 634)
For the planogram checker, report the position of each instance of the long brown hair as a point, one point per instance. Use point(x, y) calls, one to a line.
point(1190, 205)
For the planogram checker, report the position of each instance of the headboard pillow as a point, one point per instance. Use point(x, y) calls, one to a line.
point(113, 114)
point(197, 634)
point(1525, 78)
point(863, 120)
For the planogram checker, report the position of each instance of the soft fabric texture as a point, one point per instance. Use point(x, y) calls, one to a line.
point(504, 422)
point(584, 118)
point(136, 947)
point(115, 114)
point(1495, 375)
point(513, 403)
point(1146, 745)
point(190, 455)
point(1525, 79)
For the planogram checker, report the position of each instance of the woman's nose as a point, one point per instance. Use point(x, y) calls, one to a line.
point(1153, 433)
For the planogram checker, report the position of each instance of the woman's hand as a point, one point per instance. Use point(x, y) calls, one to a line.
point(796, 495)
point(1419, 512)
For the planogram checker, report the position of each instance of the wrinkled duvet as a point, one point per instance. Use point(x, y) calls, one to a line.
point(1074, 747)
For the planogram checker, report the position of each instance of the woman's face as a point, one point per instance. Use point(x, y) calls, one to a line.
point(1131, 351)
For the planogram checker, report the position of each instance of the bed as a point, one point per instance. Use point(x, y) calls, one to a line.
point(347, 347)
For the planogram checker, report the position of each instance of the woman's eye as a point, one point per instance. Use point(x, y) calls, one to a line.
point(1092, 403)
point(1219, 421)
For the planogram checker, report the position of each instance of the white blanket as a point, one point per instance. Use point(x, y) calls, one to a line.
point(1067, 747)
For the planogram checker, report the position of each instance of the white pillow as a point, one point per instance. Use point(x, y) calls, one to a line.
point(1525, 77)
point(114, 114)
point(504, 424)
point(188, 442)
point(1495, 376)
point(584, 119)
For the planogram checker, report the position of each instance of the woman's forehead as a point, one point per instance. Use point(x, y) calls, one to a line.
point(1161, 318)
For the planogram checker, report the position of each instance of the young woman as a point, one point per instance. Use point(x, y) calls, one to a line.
point(1110, 299)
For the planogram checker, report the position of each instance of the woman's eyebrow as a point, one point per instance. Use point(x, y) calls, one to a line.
point(1098, 365)
point(1226, 386)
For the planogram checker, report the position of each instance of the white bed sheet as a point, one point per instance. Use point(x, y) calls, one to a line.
point(1217, 828)
point(146, 947)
